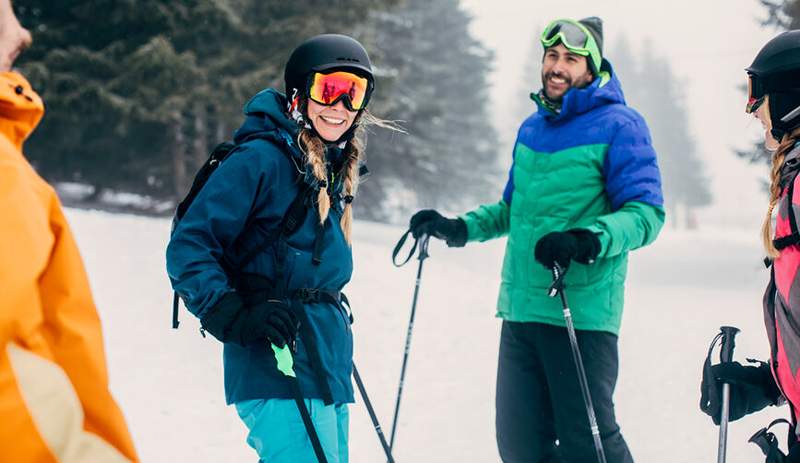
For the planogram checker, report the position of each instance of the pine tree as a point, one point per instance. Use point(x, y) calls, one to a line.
point(433, 78)
point(137, 91)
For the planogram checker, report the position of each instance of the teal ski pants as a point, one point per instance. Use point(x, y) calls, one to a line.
point(277, 433)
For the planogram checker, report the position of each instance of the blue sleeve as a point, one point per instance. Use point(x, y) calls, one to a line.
point(508, 191)
point(630, 168)
point(211, 225)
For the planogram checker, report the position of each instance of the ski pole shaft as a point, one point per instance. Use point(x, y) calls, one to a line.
point(726, 355)
point(723, 423)
point(372, 415)
point(423, 254)
point(558, 274)
point(285, 363)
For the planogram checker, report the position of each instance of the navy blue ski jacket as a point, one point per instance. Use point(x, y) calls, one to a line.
point(259, 181)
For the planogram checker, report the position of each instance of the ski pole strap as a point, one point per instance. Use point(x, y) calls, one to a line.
point(283, 357)
point(421, 242)
point(558, 280)
point(768, 443)
point(710, 396)
point(399, 246)
point(175, 302)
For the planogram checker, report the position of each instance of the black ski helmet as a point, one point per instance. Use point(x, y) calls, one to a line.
point(326, 52)
point(776, 72)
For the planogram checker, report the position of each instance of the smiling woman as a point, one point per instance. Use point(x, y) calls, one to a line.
point(267, 282)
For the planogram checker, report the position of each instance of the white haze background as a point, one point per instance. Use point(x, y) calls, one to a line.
point(681, 289)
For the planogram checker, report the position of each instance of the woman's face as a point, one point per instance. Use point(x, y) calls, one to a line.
point(330, 122)
point(762, 114)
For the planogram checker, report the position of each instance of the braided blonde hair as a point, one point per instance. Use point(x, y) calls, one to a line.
point(314, 149)
point(786, 145)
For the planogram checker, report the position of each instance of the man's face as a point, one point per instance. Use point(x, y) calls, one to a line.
point(562, 70)
point(13, 37)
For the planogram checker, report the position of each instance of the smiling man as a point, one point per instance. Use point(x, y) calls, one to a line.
point(584, 189)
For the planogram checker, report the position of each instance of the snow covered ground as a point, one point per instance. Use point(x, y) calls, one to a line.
point(680, 290)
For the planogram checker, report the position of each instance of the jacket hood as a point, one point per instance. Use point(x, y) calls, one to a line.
point(604, 90)
point(265, 117)
point(21, 108)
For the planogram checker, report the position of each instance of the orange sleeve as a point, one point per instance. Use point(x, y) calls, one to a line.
point(46, 308)
point(24, 243)
point(75, 337)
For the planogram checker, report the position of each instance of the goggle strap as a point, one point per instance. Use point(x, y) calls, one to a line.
point(794, 113)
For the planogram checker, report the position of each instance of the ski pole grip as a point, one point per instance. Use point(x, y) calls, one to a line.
point(728, 343)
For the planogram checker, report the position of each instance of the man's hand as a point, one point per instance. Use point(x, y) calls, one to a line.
point(577, 244)
point(430, 222)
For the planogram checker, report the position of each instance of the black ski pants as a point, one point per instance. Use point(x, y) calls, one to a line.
point(541, 416)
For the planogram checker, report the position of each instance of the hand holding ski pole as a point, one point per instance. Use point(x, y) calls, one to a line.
point(713, 402)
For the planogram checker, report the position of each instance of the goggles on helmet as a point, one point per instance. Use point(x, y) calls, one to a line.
point(575, 37)
point(328, 89)
point(756, 93)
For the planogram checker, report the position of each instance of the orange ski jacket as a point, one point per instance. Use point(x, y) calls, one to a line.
point(55, 404)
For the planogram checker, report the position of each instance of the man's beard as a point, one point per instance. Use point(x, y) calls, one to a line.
point(581, 82)
point(547, 76)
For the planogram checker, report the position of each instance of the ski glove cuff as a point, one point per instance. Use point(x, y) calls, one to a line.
point(430, 222)
point(231, 321)
point(578, 244)
point(752, 388)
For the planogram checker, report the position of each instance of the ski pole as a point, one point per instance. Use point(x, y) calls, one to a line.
point(423, 254)
point(285, 361)
point(372, 415)
point(557, 288)
point(725, 355)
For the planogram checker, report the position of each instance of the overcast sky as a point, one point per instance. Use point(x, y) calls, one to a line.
point(708, 43)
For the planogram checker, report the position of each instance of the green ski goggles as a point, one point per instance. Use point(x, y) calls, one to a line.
point(575, 37)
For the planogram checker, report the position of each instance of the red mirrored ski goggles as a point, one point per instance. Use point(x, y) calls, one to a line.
point(328, 89)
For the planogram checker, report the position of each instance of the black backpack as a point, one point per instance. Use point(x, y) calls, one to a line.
point(294, 217)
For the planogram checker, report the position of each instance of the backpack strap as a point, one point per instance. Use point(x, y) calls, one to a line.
point(292, 220)
point(794, 237)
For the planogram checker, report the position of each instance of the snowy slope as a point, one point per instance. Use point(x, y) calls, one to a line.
point(680, 291)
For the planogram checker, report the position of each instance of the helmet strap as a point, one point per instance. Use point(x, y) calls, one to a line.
point(296, 110)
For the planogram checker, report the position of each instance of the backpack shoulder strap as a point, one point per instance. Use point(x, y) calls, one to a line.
point(794, 236)
point(292, 220)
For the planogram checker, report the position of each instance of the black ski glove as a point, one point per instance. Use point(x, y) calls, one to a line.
point(794, 453)
point(752, 388)
point(578, 244)
point(430, 222)
point(231, 321)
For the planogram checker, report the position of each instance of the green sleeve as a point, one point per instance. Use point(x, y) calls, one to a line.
point(632, 226)
point(487, 222)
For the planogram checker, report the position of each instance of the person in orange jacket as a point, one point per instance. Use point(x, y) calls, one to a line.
point(54, 398)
